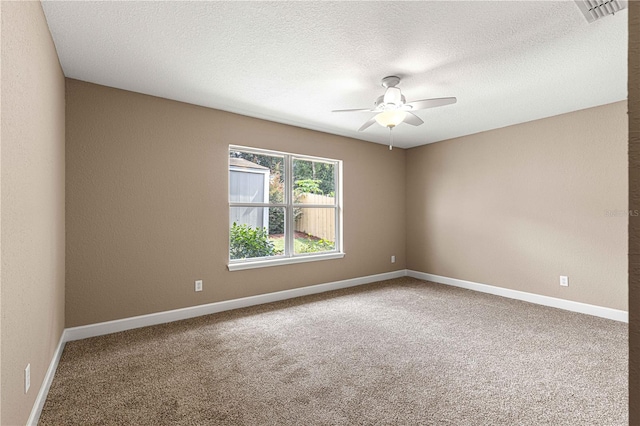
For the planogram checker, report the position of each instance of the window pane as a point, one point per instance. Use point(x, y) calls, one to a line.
point(256, 232)
point(315, 230)
point(314, 182)
point(255, 178)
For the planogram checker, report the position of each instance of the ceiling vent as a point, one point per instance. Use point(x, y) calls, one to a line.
point(596, 9)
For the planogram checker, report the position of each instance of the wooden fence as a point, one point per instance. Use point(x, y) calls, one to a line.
point(319, 222)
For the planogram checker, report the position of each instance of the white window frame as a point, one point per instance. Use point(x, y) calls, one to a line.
point(289, 257)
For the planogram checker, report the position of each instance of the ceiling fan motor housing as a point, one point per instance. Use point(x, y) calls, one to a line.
point(392, 98)
point(381, 105)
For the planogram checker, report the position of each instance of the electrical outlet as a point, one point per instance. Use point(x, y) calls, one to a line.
point(564, 281)
point(393, 259)
point(199, 285)
point(27, 378)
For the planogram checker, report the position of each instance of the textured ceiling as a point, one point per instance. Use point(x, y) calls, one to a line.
point(507, 62)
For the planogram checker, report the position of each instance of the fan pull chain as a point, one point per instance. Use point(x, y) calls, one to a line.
point(390, 138)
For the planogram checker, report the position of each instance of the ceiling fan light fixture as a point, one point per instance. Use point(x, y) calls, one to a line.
point(392, 108)
point(391, 118)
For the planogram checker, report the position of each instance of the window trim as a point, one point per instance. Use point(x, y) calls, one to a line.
point(289, 205)
point(262, 262)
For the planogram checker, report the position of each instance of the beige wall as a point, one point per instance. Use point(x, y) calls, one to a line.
point(634, 204)
point(32, 214)
point(519, 206)
point(147, 206)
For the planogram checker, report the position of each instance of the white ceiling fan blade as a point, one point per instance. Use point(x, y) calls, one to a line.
point(431, 103)
point(413, 119)
point(367, 124)
point(352, 110)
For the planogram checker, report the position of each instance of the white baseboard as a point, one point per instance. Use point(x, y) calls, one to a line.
point(583, 308)
point(34, 417)
point(99, 329)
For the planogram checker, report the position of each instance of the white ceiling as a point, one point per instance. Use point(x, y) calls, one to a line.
point(507, 62)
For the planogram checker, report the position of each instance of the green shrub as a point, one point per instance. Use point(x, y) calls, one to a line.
point(309, 186)
point(276, 214)
point(276, 221)
point(245, 242)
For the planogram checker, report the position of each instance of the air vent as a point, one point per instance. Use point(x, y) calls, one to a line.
point(596, 9)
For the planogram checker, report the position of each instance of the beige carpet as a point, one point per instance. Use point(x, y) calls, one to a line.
point(399, 352)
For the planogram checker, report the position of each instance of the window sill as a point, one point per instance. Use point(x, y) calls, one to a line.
point(282, 261)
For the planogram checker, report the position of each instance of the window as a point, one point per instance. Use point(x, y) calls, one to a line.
point(283, 208)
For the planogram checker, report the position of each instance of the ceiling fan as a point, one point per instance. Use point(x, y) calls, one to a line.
point(393, 109)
